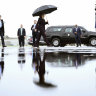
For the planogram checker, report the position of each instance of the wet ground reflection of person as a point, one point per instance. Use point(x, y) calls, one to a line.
point(1, 63)
point(35, 61)
point(77, 60)
point(39, 65)
point(21, 57)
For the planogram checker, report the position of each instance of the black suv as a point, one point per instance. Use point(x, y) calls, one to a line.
point(62, 35)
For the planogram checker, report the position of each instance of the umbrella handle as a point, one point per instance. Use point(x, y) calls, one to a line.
point(47, 20)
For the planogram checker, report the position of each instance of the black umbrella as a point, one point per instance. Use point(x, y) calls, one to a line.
point(46, 9)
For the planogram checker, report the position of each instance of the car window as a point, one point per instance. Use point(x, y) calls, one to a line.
point(82, 29)
point(68, 30)
point(55, 29)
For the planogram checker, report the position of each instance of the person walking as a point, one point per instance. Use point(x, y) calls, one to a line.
point(34, 33)
point(77, 33)
point(21, 36)
point(2, 32)
point(40, 27)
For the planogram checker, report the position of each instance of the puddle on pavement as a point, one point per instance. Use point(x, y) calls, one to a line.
point(52, 73)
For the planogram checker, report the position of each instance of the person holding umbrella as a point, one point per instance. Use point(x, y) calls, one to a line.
point(40, 27)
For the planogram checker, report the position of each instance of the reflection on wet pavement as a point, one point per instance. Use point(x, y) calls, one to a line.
point(39, 66)
point(21, 57)
point(1, 63)
point(28, 71)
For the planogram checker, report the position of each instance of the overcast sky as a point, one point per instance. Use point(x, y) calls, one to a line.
point(70, 12)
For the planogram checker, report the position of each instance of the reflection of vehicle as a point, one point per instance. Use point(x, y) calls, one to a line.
point(62, 35)
point(68, 59)
point(30, 41)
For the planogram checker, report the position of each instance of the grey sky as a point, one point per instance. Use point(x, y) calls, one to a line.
point(16, 12)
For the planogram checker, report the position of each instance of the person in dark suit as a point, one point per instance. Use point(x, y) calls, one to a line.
point(21, 36)
point(77, 33)
point(40, 27)
point(2, 31)
point(34, 32)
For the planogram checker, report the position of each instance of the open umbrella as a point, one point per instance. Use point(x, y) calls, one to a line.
point(46, 9)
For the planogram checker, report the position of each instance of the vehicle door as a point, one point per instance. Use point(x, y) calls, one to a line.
point(68, 35)
point(84, 34)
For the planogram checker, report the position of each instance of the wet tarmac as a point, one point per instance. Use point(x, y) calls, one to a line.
point(67, 71)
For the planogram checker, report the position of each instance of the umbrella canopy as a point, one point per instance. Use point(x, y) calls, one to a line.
point(46, 9)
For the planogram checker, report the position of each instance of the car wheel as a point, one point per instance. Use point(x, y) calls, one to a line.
point(55, 42)
point(93, 41)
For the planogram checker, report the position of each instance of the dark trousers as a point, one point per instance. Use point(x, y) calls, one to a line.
point(2, 39)
point(34, 37)
point(21, 41)
point(41, 33)
point(78, 40)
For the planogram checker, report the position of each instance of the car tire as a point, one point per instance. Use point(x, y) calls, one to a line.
point(55, 42)
point(92, 41)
